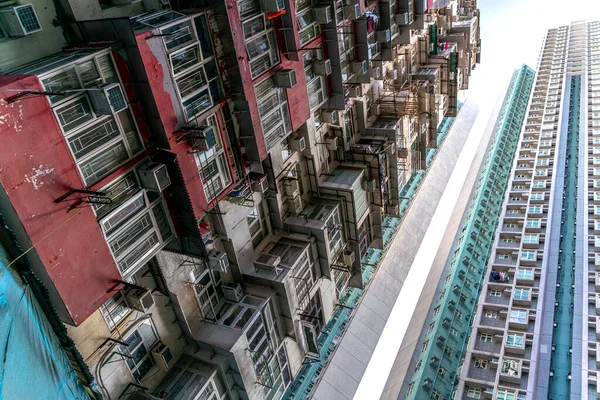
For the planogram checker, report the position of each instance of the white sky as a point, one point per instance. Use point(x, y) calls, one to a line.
point(511, 35)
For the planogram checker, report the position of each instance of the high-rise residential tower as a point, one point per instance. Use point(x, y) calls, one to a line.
point(536, 329)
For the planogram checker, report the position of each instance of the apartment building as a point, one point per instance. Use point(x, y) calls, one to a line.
point(197, 183)
point(534, 335)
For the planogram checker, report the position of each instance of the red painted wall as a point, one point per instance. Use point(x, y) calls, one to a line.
point(158, 77)
point(36, 167)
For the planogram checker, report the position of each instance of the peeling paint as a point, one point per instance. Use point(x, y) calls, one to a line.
point(38, 173)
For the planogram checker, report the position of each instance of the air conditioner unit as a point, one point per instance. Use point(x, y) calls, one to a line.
point(322, 67)
point(285, 78)
point(292, 191)
point(383, 36)
point(272, 5)
point(332, 143)
point(154, 176)
point(261, 185)
point(352, 12)
point(376, 72)
point(370, 185)
point(218, 261)
point(391, 148)
point(269, 262)
point(330, 116)
point(402, 18)
point(349, 257)
point(393, 210)
point(355, 91)
point(139, 299)
point(298, 144)
point(359, 67)
point(296, 205)
point(162, 355)
point(20, 20)
point(107, 99)
point(203, 138)
point(375, 110)
point(232, 292)
point(323, 14)
point(392, 74)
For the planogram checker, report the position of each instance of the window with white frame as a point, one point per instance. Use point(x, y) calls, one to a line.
point(474, 393)
point(505, 394)
point(490, 314)
point(480, 363)
point(316, 85)
point(424, 346)
point(495, 293)
point(532, 223)
point(274, 112)
point(521, 294)
point(212, 163)
point(135, 225)
point(99, 140)
point(515, 340)
point(209, 295)
point(139, 343)
point(538, 196)
point(308, 27)
point(525, 273)
point(261, 44)
point(257, 223)
point(486, 337)
point(115, 310)
point(528, 255)
point(518, 316)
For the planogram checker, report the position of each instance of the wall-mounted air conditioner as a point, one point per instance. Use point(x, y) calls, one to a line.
point(323, 14)
point(330, 116)
point(383, 36)
point(359, 67)
point(285, 78)
point(232, 292)
point(376, 72)
point(349, 257)
point(272, 5)
point(19, 20)
point(352, 12)
point(298, 144)
point(375, 110)
point(296, 205)
point(139, 299)
point(268, 262)
point(202, 138)
point(107, 99)
point(332, 143)
point(322, 67)
point(393, 210)
point(154, 176)
point(370, 185)
point(355, 91)
point(402, 18)
point(392, 74)
point(260, 186)
point(162, 355)
point(218, 261)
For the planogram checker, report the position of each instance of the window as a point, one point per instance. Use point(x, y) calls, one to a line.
point(532, 223)
point(486, 337)
point(411, 388)
point(538, 196)
point(261, 45)
point(528, 255)
point(525, 273)
point(521, 294)
point(458, 315)
point(534, 209)
point(212, 163)
point(308, 28)
point(530, 239)
point(495, 293)
point(115, 310)
point(139, 343)
point(474, 393)
point(490, 314)
point(514, 340)
point(436, 311)
point(208, 293)
point(448, 351)
point(418, 366)
point(435, 395)
point(518, 316)
point(274, 113)
point(286, 151)
point(134, 227)
point(508, 239)
point(503, 256)
point(316, 85)
point(431, 328)
point(257, 224)
point(99, 141)
point(481, 363)
point(424, 346)
point(505, 394)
